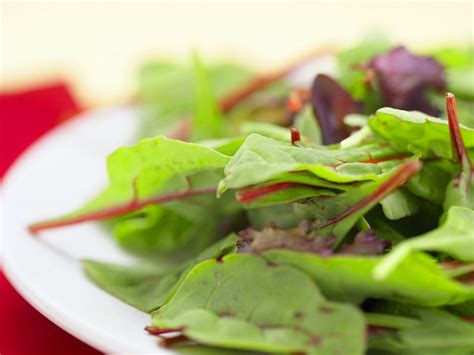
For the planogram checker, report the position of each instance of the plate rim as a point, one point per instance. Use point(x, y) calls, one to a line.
point(72, 325)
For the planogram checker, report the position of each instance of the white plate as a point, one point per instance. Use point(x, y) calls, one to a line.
point(58, 173)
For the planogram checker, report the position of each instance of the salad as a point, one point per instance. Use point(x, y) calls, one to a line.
point(329, 218)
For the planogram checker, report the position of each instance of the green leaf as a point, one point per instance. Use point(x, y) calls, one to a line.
point(143, 170)
point(167, 91)
point(417, 132)
point(261, 159)
point(282, 216)
point(438, 333)
point(455, 238)
point(227, 146)
point(417, 280)
point(308, 125)
point(379, 224)
point(337, 215)
point(351, 77)
point(142, 287)
point(400, 204)
point(266, 129)
point(431, 182)
point(460, 190)
point(147, 287)
point(161, 230)
point(140, 172)
point(178, 226)
point(280, 196)
point(390, 321)
point(207, 121)
point(232, 304)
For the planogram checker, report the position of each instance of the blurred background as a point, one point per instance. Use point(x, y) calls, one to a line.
point(98, 46)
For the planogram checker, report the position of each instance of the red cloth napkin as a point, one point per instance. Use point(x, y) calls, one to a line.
point(25, 116)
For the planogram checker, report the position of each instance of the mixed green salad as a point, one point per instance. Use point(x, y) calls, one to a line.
point(329, 218)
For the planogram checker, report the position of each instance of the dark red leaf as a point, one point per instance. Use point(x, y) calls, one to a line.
point(331, 103)
point(405, 77)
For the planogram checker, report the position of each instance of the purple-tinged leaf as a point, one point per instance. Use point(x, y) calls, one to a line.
point(404, 78)
point(297, 239)
point(331, 103)
point(365, 243)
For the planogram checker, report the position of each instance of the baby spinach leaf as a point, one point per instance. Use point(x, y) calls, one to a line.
point(352, 78)
point(417, 132)
point(400, 204)
point(341, 223)
point(140, 173)
point(282, 216)
point(193, 348)
point(266, 129)
point(178, 226)
point(431, 182)
point(167, 91)
point(156, 230)
point(455, 238)
point(147, 287)
point(278, 193)
point(232, 304)
point(207, 121)
point(438, 333)
point(418, 280)
point(308, 125)
point(383, 228)
point(142, 287)
point(260, 159)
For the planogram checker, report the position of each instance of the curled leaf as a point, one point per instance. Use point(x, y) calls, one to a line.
point(331, 103)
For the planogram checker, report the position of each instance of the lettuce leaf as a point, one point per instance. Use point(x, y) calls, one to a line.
point(232, 304)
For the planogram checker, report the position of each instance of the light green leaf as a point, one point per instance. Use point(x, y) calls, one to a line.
point(285, 195)
point(417, 132)
point(400, 204)
point(351, 77)
point(266, 129)
point(455, 238)
point(206, 121)
point(460, 190)
point(431, 182)
point(147, 169)
point(438, 333)
point(417, 280)
point(147, 287)
point(308, 125)
point(167, 91)
point(232, 304)
point(337, 215)
point(261, 159)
